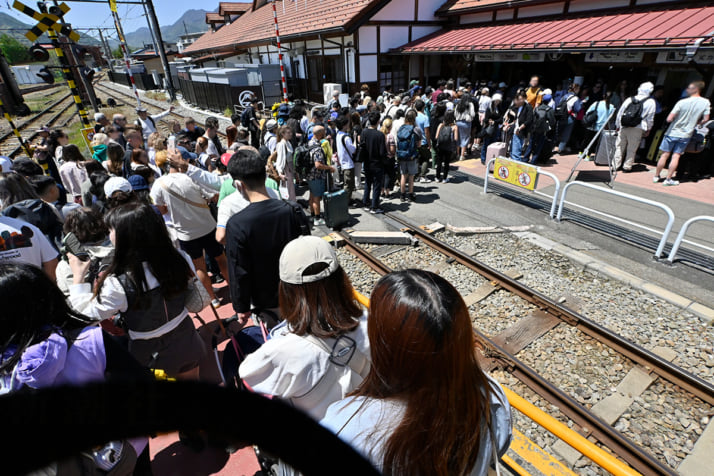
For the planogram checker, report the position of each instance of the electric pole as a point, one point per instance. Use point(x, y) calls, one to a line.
point(164, 61)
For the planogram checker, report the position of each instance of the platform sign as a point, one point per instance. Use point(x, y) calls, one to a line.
point(516, 173)
point(88, 135)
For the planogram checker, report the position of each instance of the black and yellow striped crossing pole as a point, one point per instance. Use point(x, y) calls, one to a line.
point(67, 73)
point(24, 145)
point(51, 24)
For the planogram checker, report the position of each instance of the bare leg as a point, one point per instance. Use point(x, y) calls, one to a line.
point(200, 265)
point(661, 163)
point(673, 164)
point(403, 183)
point(411, 184)
point(223, 266)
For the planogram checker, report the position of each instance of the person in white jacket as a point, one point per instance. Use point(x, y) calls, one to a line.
point(320, 352)
point(630, 136)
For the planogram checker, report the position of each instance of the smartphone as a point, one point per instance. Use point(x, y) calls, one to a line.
point(172, 143)
point(72, 245)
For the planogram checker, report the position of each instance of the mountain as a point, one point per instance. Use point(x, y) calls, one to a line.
point(191, 21)
point(19, 29)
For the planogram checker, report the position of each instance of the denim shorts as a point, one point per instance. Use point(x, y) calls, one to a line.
point(317, 187)
point(675, 145)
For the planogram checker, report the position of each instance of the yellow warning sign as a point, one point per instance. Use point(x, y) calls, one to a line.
point(516, 173)
point(88, 135)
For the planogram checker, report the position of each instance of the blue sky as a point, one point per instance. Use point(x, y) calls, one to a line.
point(132, 16)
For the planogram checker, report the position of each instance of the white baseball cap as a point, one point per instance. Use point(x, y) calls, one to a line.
point(116, 184)
point(303, 252)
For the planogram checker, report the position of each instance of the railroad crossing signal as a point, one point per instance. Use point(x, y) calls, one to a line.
point(47, 21)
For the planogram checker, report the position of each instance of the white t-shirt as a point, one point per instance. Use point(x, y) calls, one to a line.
point(688, 113)
point(289, 366)
point(190, 221)
point(21, 242)
point(236, 202)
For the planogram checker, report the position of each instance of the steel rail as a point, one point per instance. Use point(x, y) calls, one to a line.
point(35, 117)
point(50, 121)
point(652, 362)
point(591, 424)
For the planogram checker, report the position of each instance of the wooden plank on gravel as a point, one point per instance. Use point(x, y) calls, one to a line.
point(486, 289)
point(522, 333)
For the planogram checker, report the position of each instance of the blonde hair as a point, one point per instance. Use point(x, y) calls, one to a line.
point(157, 141)
point(99, 138)
point(161, 158)
point(386, 125)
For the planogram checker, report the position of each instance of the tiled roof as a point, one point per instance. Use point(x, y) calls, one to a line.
point(460, 6)
point(230, 8)
point(667, 28)
point(298, 21)
point(214, 18)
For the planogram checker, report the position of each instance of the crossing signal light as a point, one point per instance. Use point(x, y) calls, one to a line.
point(38, 53)
point(88, 73)
point(46, 75)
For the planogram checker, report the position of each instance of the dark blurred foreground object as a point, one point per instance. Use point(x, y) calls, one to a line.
point(53, 423)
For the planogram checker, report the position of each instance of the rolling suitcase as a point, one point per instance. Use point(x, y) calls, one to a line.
point(606, 148)
point(336, 206)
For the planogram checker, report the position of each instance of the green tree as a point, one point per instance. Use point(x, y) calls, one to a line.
point(13, 49)
point(117, 53)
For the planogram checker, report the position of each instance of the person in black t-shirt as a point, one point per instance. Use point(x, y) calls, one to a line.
point(256, 236)
point(376, 148)
point(193, 131)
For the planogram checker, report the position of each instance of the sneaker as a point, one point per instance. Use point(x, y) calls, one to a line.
point(412, 197)
point(365, 208)
point(216, 303)
point(655, 179)
point(217, 278)
point(376, 211)
point(403, 197)
point(446, 180)
point(669, 182)
point(423, 180)
point(319, 222)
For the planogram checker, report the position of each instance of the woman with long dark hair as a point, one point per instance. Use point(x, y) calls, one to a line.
point(465, 114)
point(44, 343)
point(426, 407)
point(146, 283)
point(446, 145)
point(72, 172)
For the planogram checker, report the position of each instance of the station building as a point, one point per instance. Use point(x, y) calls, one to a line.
point(389, 42)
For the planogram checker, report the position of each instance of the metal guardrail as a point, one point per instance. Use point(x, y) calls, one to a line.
point(682, 232)
point(540, 172)
point(670, 213)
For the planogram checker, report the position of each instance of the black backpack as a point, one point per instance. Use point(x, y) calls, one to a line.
point(245, 117)
point(561, 110)
point(303, 159)
point(590, 118)
point(632, 115)
point(445, 139)
point(540, 122)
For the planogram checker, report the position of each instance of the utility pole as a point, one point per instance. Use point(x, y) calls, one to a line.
point(151, 29)
point(124, 49)
point(107, 50)
point(162, 53)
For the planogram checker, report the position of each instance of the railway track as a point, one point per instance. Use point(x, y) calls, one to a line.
point(501, 350)
point(30, 126)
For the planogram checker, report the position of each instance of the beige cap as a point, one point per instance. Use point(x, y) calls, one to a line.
point(302, 253)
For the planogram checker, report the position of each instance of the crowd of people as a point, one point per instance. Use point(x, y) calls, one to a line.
point(136, 236)
point(104, 260)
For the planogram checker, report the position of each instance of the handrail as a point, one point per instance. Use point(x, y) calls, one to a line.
point(578, 442)
point(587, 448)
point(670, 213)
point(540, 171)
point(682, 232)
